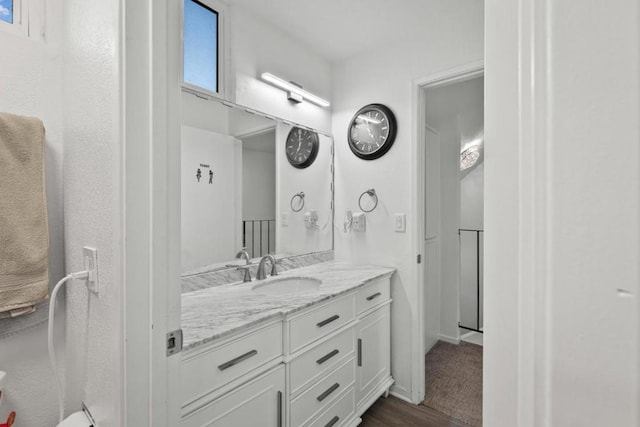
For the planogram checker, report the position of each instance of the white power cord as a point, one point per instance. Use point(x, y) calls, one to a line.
point(52, 354)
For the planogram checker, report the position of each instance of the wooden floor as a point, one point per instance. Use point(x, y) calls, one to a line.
point(393, 412)
point(453, 379)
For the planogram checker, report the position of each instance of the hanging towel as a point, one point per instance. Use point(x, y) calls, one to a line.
point(24, 231)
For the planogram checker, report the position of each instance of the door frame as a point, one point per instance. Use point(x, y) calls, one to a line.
point(150, 40)
point(463, 72)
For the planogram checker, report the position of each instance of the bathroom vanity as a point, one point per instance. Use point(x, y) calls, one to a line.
point(309, 347)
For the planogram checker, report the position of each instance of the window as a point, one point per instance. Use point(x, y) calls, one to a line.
point(6, 11)
point(201, 64)
point(24, 18)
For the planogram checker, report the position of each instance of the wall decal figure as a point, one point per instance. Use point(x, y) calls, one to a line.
point(210, 176)
point(199, 174)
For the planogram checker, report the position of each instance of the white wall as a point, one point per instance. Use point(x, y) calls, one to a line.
point(257, 47)
point(31, 85)
point(93, 204)
point(215, 208)
point(562, 214)
point(259, 176)
point(452, 37)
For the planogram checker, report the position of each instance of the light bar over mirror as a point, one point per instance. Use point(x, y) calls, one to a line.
point(294, 89)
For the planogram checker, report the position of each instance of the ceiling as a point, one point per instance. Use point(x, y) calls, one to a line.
point(338, 29)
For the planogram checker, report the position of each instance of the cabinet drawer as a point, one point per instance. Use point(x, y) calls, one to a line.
point(319, 322)
point(373, 294)
point(321, 359)
point(338, 413)
point(322, 394)
point(257, 403)
point(205, 372)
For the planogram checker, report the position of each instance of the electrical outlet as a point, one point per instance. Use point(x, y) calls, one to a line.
point(90, 258)
point(400, 223)
point(359, 221)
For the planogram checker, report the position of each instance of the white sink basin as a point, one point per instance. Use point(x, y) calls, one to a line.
point(288, 285)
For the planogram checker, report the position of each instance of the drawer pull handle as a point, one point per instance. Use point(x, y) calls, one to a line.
point(374, 296)
point(326, 394)
point(327, 357)
point(359, 352)
point(237, 360)
point(327, 321)
point(332, 422)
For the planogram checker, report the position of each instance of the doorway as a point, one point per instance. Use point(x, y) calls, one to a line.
point(450, 215)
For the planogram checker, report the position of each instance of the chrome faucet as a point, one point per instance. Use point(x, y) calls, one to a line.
point(243, 254)
point(261, 275)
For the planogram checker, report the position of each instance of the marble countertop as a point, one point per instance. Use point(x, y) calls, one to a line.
point(212, 313)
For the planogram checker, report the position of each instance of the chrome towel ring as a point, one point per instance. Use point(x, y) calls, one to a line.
point(371, 193)
point(300, 196)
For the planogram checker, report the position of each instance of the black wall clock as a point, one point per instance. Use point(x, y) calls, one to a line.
point(301, 147)
point(372, 131)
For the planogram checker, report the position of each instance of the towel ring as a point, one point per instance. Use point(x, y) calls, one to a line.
point(371, 193)
point(299, 195)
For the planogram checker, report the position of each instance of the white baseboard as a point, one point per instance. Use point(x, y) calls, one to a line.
point(400, 396)
point(449, 339)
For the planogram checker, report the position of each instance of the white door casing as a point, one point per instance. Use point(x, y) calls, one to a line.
point(151, 46)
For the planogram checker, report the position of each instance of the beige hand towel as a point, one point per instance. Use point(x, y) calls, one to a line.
point(24, 231)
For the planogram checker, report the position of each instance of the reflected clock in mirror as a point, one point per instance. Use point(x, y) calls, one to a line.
point(372, 131)
point(301, 147)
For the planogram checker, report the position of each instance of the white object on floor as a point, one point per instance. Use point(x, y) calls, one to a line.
point(77, 419)
point(472, 337)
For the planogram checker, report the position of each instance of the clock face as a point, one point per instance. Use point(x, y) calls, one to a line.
point(372, 131)
point(301, 147)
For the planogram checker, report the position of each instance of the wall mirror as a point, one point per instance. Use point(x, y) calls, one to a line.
point(248, 183)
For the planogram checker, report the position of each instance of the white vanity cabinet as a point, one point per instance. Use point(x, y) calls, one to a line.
point(321, 361)
point(321, 366)
point(373, 376)
point(256, 403)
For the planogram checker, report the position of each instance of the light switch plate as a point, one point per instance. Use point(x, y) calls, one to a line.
point(400, 223)
point(284, 219)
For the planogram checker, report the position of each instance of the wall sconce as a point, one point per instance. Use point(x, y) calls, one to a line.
point(295, 92)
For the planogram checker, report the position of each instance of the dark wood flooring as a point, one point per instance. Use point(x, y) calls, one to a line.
point(454, 386)
point(393, 412)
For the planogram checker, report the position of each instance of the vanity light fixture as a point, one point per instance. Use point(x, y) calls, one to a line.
point(295, 92)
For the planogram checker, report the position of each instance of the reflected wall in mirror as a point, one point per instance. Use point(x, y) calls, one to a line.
point(238, 186)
